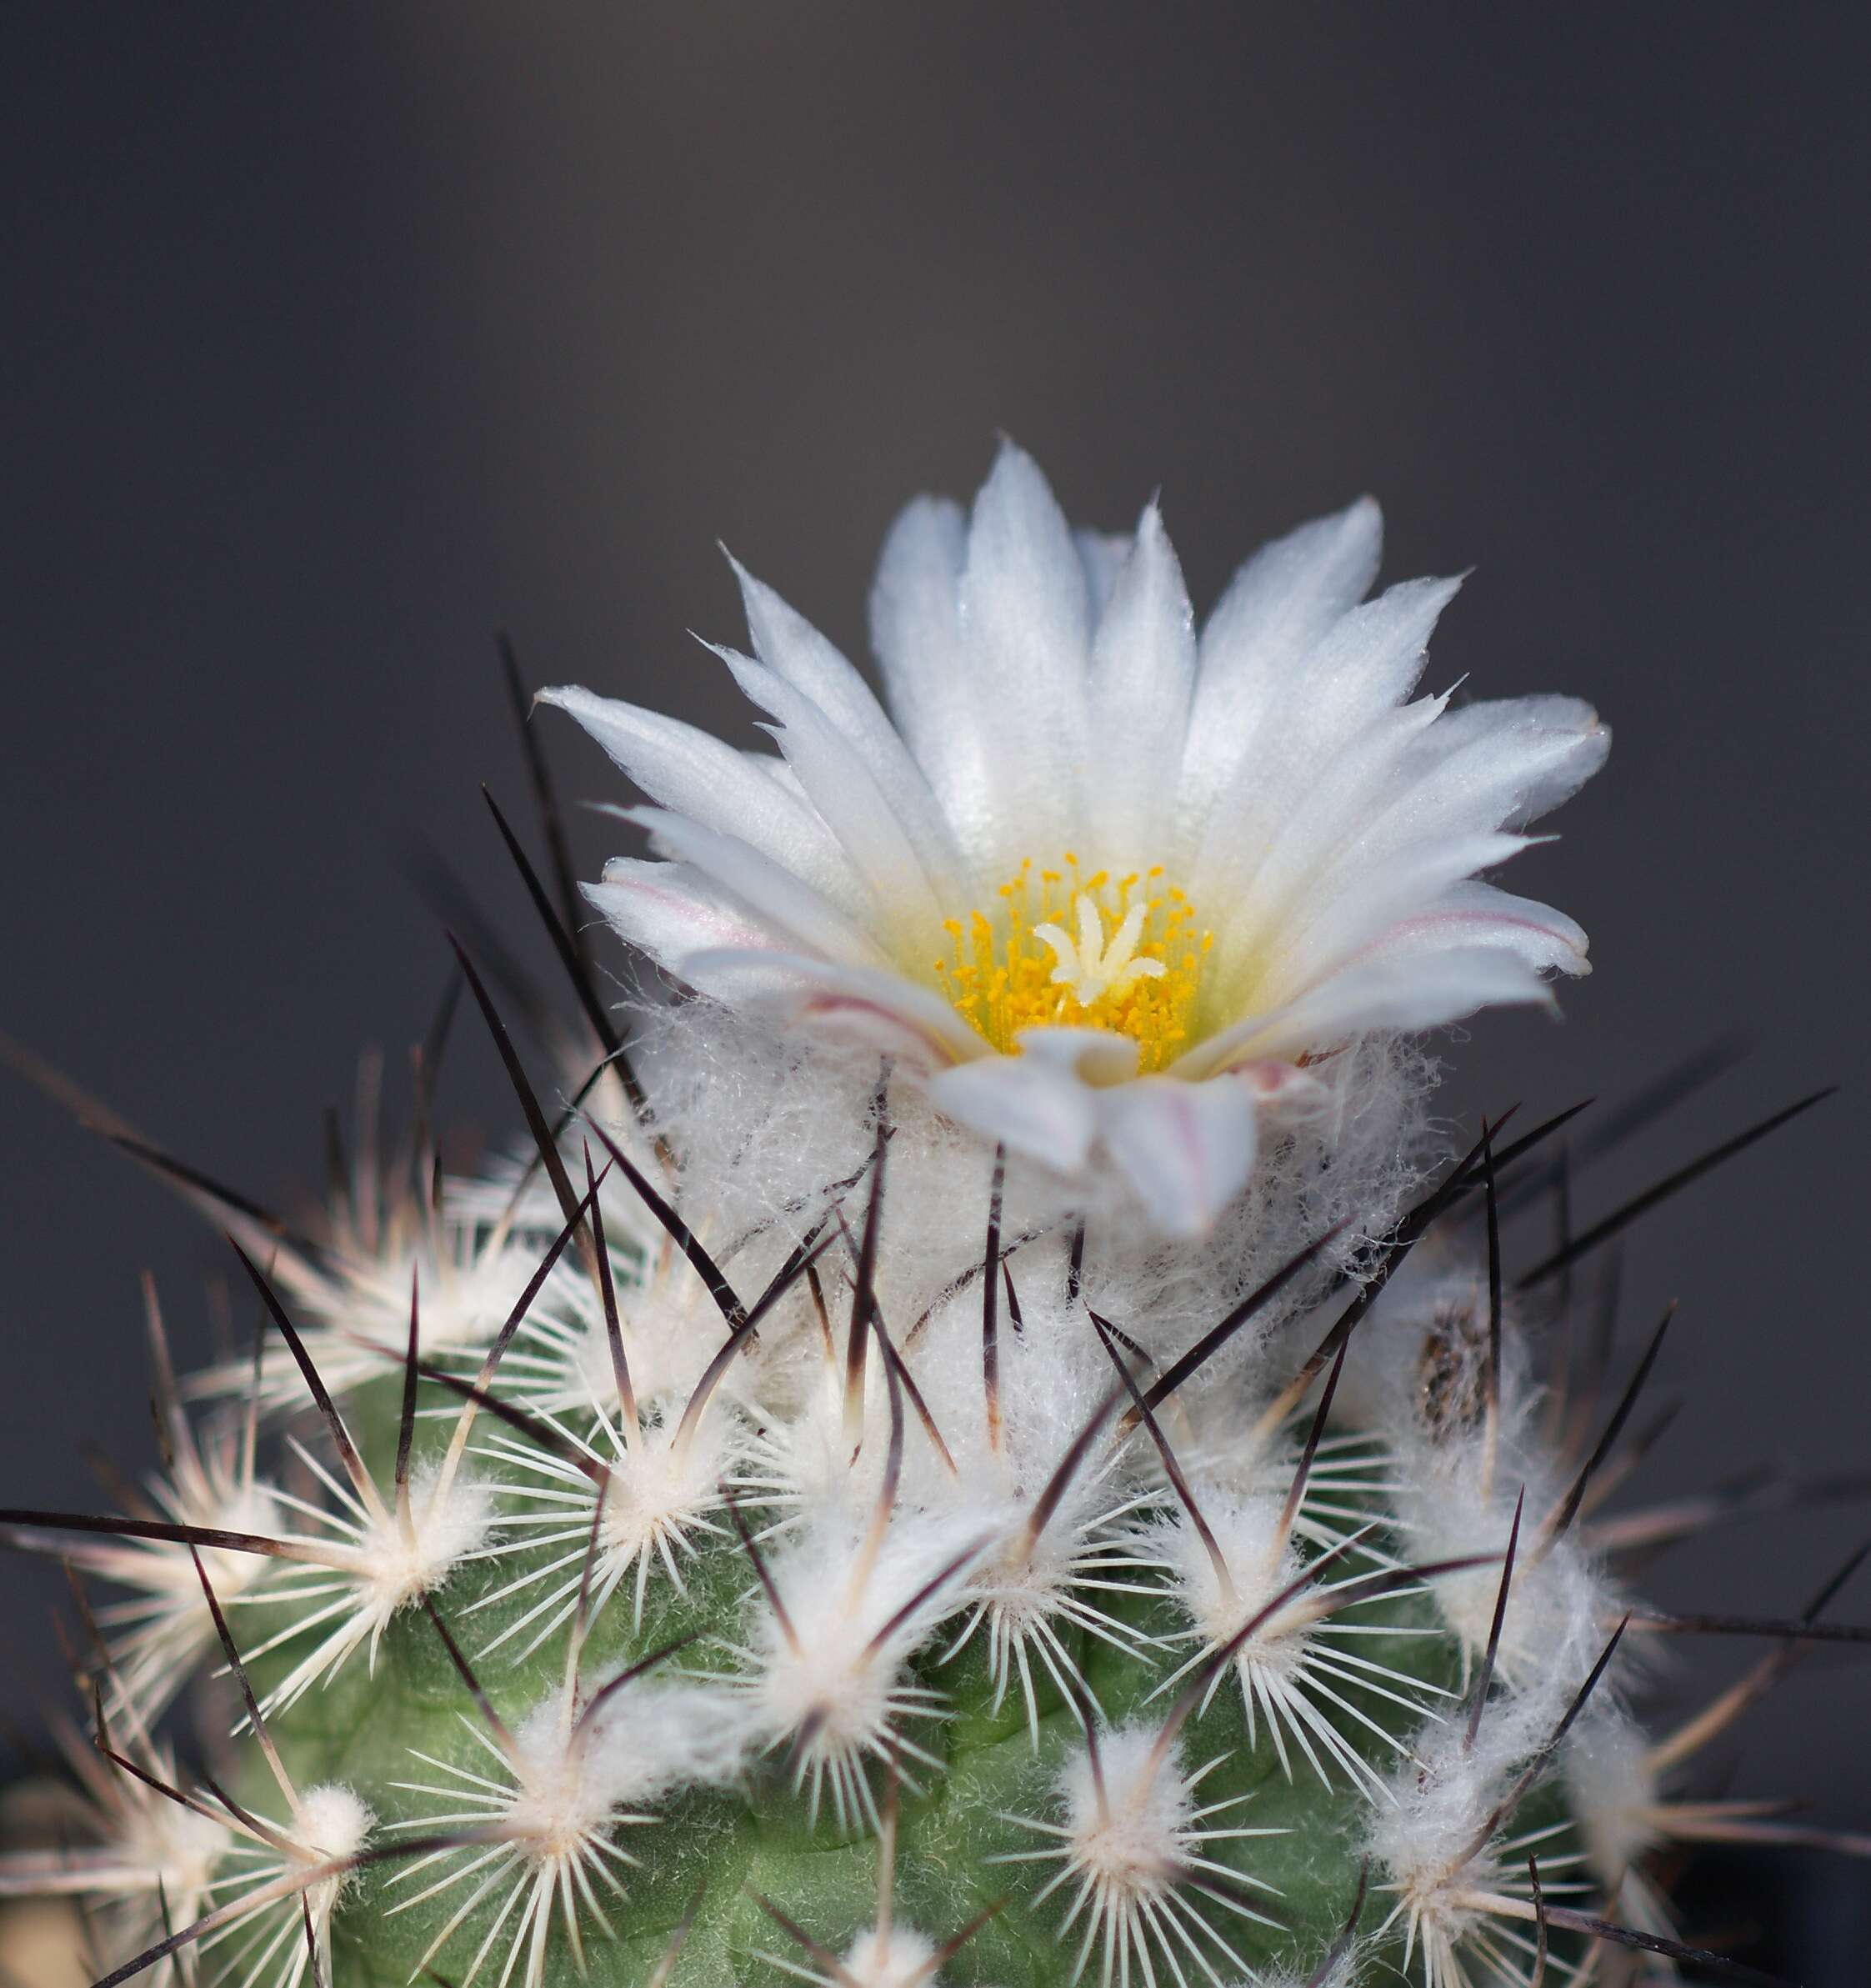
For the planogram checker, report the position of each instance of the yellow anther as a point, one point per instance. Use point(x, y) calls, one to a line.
point(1083, 956)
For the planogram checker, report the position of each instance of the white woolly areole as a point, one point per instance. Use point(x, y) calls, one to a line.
point(575, 1777)
point(449, 1518)
point(565, 1789)
point(1613, 1791)
point(1133, 1842)
point(662, 1485)
point(896, 1957)
point(663, 1734)
point(383, 1567)
point(825, 1666)
point(333, 1822)
point(1261, 1563)
point(1424, 1844)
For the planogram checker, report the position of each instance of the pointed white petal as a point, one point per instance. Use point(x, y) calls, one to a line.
point(670, 911)
point(1024, 628)
point(790, 646)
point(1142, 672)
point(1381, 835)
point(1450, 787)
point(1342, 925)
point(1186, 1149)
point(916, 635)
point(847, 793)
point(774, 897)
point(1276, 607)
point(1409, 993)
point(1327, 822)
point(683, 768)
point(1506, 761)
point(1369, 663)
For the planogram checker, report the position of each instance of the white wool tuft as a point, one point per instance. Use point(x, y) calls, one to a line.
point(893, 1957)
point(656, 1737)
point(333, 1821)
point(765, 1124)
point(1613, 1786)
point(825, 1668)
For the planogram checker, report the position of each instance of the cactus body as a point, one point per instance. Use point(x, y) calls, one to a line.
point(1025, 1464)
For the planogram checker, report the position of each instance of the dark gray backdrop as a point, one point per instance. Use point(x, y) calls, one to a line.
point(335, 335)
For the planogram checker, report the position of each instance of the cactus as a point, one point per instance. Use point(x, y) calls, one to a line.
point(983, 1438)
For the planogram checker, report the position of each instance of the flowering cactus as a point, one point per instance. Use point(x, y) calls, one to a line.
point(982, 1439)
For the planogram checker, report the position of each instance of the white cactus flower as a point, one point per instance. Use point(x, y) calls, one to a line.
point(1107, 885)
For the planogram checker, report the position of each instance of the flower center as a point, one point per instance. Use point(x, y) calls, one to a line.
point(1063, 950)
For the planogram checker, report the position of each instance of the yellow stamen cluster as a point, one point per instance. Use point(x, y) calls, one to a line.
point(1004, 974)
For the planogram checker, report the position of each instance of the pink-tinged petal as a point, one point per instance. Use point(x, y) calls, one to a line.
point(669, 911)
point(1186, 1149)
point(1477, 914)
point(881, 1010)
point(684, 769)
point(788, 643)
point(1276, 609)
point(1029, 1103)
point(1407, 994)
point(806, 922)
point(1278, 1086)
point(1339, 929)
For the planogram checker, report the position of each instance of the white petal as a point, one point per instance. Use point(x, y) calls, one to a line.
point(1342, 924)
point(1024, 625)
point(670, 911)
point(1477, 914)
point(1029, 1104)
point(789, 645)
point(1186, 1149)
point(1471, 771)
point(1276, 607)
point(916, 635)
point(1142, 670)
point(1093, 1055)
point(1506, 761)
point(881, 1010)
point(847, 792)
point(799, 918)
point(1407, 993)
point(1377, 838)
point(1368, 663)
point(1326, 823)
point(685, 769)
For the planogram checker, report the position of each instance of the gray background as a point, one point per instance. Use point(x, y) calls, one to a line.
point(336, 336)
